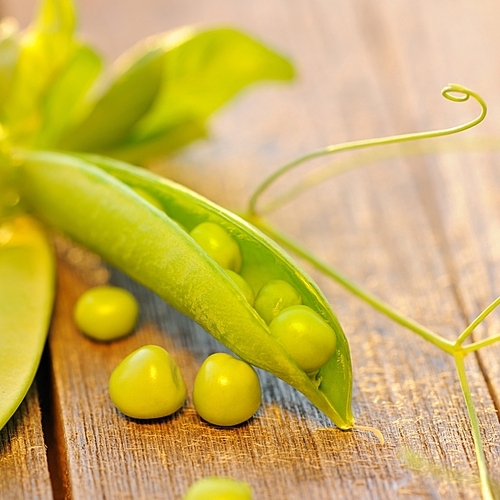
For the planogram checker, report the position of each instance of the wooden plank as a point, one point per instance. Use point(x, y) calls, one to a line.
point(421, 233)
point(24, 472)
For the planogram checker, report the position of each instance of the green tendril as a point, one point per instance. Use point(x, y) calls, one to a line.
point(363, 158)
point(452, 92)
point(484, 477)
point(481, 317)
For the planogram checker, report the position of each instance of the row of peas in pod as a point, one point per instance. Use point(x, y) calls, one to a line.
point(307, 337)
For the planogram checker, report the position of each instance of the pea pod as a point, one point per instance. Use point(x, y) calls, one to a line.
point(92, 200)
point(27, 271)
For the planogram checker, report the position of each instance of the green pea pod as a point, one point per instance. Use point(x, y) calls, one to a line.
point(90, 198)
point(27, 270)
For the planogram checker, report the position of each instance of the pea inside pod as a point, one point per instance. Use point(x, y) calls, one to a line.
point(106, 215)
point(275, 296)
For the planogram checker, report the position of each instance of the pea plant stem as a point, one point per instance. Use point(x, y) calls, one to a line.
point(484, 478)
point(467, 332)
point(364, 158)
point(475, 346)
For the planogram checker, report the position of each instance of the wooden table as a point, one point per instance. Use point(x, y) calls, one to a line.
point(422, 232)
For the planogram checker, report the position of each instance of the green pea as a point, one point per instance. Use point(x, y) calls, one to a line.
point(305, 335)
point(154, 201)
point(226, 390)
point(147, 384)
point(106, 313)
point(219, 244)
point(275, 296)
point(241, 283)
point(218, 488)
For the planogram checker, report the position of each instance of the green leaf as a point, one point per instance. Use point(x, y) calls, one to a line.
point(128, 98)
point(44, 50)
point(204, 72)
point(64, 99)
point(56, 18)
point(167, 141)
point(166, 89)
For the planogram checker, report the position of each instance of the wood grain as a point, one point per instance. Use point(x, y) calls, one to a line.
point(421, 232)
point(24, 470)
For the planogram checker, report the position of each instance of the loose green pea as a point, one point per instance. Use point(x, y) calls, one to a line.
point(147, 384)
point(226, 390)
point(241, 283)
point(106, 313)
point(219, 244)
point(305, 335)
point(218, 488)
point(275, 296)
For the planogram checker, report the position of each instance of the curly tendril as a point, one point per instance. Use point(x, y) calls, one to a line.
point(453, 92)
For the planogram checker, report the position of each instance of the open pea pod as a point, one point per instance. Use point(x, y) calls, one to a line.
point(27, 271)
point(90, 198)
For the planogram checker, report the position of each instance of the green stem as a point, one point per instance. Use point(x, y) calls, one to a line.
point(476, 322)
point(475, 346)
point(381, 306)
point(450, 92)
point(484, 478)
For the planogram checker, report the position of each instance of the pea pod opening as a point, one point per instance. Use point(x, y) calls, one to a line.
point(92, 200)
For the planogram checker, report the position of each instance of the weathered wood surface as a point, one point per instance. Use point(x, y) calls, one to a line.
point(24, 469)
point(421, 232)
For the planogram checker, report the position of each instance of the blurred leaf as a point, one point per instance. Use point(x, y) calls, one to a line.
point(64, 99)
point(170, 85)
point(128, 98)
point(204, 71)
point(9, 53)
point(169, 140)
point(44, 49)
point(56, 18)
